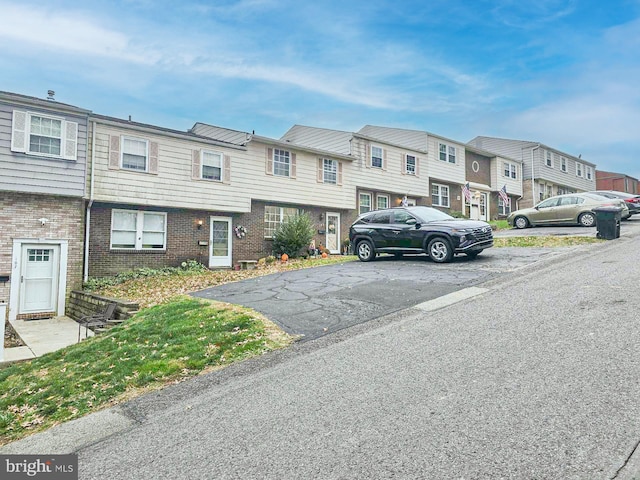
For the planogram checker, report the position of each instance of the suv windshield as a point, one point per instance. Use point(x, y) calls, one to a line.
point(428, 214)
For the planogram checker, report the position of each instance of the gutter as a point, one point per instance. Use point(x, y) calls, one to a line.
point(87, 224)
point(533, 177)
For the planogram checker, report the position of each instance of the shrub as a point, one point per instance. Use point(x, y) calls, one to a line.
point(294, 234)
point(456, 214)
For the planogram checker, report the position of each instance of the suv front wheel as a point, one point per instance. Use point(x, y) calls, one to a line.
point(440, 250)
point(365, 251)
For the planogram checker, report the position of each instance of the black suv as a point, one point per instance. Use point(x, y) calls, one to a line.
point(418, 230)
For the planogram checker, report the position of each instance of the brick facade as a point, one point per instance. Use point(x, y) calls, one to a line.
point(455, 195)
point(483, 164)
point(19, 214)
point(183, 237)
point(617, 182)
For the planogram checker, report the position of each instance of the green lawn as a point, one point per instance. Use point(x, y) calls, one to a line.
point(499, 224)
point(544, 241)
point(163, 344)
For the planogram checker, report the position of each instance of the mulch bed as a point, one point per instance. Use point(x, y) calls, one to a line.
point(11, 338)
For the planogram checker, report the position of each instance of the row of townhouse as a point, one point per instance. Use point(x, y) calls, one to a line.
point(86, 195)
point(545, 171)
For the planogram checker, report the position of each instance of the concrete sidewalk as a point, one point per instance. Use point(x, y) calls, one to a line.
point(42, 336)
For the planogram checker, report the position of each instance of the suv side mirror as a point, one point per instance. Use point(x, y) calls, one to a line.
point(412, 222)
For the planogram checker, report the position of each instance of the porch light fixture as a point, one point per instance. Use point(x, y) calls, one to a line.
point(200, 223)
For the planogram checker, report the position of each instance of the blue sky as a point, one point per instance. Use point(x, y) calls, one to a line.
point(564, 73)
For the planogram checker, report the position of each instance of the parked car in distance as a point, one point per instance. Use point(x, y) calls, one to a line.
point(569, 209)
point(415, 230)
point(632, 201)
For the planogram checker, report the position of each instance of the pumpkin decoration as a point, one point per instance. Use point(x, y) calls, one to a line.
point(284, 257)
point(324, 255)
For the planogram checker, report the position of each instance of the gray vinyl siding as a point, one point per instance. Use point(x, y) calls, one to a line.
point(523, 150)
point(40, 174)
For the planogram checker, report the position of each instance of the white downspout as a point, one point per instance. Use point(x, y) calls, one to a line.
point(533, 177)
point(88, 216)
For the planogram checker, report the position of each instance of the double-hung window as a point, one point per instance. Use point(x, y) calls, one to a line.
point(563, 164)
point(447, 153)
point(382, 201)
point(274, 217)
point(135, 154)
point(376, 156)
point(281, 162)
point(138, 230)
point(330, 171)
point(364, 203)
point(549, 159)
point(504, 208)
point(43, 135)
point(589, 173)
point(440, 195)
point(411, 164)
point(578, 169)
point(510, 170)
point(211, 165)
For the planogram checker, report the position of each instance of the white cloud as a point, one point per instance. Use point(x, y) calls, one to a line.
point(46, 29)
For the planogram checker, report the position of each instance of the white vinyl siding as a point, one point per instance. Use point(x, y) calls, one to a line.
point(274, 216)
point(440, 195)
point(364, 203)
point(447, 153)
point(212, 163)
point(135, 154)
point(44, 135)
point(138, 230)
point(382, 201)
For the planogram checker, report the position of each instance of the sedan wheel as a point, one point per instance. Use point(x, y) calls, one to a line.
point(440, 250)
point(521, 222)
point(587, 219)
point(365, 251)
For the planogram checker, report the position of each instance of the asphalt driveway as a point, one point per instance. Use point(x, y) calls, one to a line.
point(316, 301)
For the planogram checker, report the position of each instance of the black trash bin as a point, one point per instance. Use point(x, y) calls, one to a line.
point(608, 222)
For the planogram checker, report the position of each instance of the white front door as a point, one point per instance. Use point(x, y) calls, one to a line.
point(220, 242)
point(333, 232)
point(39, 278)
point(483, 207)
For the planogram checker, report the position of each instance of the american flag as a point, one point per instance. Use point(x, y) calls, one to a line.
point(503, 194)
point(466, 191)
